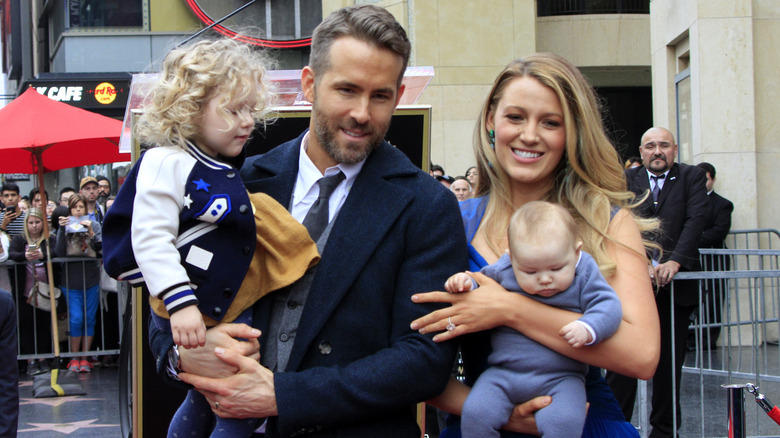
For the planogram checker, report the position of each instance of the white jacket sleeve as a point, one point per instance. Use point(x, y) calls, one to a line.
point(158, 203)
point(5, 243)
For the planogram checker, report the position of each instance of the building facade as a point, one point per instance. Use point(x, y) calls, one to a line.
point(715, 82)
point(702, 68)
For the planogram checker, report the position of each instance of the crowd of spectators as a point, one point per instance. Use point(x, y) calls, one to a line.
point(462, 186)
point(23, 253)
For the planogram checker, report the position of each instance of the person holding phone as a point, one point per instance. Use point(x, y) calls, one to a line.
point(34, 324)
point(5, 280)
point(79, 236)
point(10, 218)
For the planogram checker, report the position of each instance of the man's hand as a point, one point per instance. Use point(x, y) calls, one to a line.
point(10, 216)
point(665, 272)
point(249, 393)
point(522, 419)
point(203, 362)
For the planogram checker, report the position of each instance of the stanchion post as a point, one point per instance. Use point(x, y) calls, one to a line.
point(736, 401)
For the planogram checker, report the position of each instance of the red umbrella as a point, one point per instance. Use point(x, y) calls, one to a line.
point(64, 136)
point(42, 135)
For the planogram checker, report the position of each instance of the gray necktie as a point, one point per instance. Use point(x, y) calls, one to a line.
point(317, 218)
point(656, 189)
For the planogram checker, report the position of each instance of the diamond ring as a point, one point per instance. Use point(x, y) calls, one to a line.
point(450, 327)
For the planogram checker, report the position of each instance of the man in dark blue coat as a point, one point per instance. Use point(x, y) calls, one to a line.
point(338, 357)
point(678, 197)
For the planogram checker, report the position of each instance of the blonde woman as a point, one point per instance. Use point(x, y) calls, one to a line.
point(540, 137)
point(34, 324)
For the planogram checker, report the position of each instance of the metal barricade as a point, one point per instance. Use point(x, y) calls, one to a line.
point(34, 327)
point(734, 346)
point(759, 238)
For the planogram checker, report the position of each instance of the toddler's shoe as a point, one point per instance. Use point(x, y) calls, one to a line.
point(73, 366)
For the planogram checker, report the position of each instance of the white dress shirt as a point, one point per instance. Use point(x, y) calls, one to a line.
point(307, 190)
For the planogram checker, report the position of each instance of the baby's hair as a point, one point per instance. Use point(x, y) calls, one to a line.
point(535, 221)
point(191, 76)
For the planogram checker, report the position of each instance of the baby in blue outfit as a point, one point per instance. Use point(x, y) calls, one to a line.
point(545, 262)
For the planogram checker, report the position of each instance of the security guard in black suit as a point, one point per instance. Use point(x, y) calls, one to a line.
point(678, 197)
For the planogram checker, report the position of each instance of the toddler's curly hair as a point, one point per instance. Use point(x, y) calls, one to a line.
point(194, 74)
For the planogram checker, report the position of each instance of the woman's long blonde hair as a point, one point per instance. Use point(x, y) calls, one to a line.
point(191, 76)
point(34, 212)
point(589, 180)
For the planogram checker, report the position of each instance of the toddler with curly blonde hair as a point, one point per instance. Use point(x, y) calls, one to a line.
point(183, 225)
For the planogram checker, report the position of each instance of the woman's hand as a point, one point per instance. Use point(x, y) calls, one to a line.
point(33, 255)
point(88, 224)
point(480, 309)
point(63, 221)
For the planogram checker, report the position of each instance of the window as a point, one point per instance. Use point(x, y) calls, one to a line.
point(282, 23)
point(546, 8)
point(105, 13)
point(684, 123)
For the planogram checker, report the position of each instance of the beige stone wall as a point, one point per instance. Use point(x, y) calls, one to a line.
point(597, 40)
point(731, 52)
point(766, 53)
point(467, 43)
point(766, 50)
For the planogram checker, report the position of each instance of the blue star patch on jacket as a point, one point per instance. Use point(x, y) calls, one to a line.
point(202, 185)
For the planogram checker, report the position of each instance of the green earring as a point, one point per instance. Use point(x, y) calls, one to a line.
point(492, 136)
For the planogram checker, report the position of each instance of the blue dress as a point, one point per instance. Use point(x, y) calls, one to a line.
point(605, 419)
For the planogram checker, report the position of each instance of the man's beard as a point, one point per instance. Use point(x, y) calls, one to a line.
point(663, 168)
point(351, 153)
